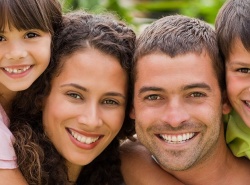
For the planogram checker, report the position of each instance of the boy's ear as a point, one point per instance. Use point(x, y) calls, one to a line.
point(226, 106)
point(132, 113)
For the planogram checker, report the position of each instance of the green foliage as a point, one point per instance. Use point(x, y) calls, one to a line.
point(204, 9)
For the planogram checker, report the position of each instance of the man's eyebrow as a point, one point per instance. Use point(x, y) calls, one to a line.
point(75, 86)
point(150, 88)
point(197, 85)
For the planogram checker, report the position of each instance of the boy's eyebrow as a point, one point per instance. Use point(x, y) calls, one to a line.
point(197, 85)
point(236, 62)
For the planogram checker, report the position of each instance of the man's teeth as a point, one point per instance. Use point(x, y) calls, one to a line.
point(175, 139)
point(16, 70)
point(83, 139)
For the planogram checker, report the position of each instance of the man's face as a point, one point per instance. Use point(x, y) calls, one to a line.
point(178, 108)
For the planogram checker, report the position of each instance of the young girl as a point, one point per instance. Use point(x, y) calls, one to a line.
point(67, 122)
point(26, 30)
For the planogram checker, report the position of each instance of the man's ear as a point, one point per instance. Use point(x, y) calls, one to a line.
point(226, 106)
point(132, 113)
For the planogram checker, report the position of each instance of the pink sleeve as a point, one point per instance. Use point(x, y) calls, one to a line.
point(7, 152)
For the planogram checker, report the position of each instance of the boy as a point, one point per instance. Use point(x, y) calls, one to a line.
point(233, 34)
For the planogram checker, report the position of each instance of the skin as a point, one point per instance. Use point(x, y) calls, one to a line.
point(135, 156)
point(87, 102)
point(10, 177)
point(238, 78)
point(24, 55)
point(163, 109)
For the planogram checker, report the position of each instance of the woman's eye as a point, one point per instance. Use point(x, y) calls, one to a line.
point(2, 39)
point(197, 94)
point(74, 95)
point(31, 35)
point(244, 70)
point(110, 102)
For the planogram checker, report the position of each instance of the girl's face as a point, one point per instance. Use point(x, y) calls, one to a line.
point(86, 106)
point(24, 55)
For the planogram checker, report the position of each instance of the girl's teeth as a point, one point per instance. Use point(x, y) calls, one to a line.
point(16, 70)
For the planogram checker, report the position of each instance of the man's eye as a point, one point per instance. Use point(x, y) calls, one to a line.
point(244, 70)
point(197, 94)
point(31, 35)
point(2, 39)
point(153, 97)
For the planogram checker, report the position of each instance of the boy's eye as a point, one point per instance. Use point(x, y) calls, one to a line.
point(31, 35)
point(197, 94)
point(244, 70)
point(2, 39)
point(110, 102)
point(153, 97)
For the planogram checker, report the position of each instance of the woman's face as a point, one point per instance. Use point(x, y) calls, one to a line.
point(86, 106)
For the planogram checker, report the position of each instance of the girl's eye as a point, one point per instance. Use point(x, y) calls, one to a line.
point(110, 102)
point(74, 95)
point(2, 39)
point(244, 70)
point(31, 35)
point(153, 97)
point(197, 94)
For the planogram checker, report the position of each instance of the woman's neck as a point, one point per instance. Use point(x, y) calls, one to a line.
point(73, 172)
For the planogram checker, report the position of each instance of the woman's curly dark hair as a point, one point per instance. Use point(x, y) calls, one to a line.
point(38, 159)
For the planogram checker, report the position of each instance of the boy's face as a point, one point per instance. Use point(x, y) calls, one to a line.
point(238, 80)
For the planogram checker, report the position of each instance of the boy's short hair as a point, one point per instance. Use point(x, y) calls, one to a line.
point(232, 23)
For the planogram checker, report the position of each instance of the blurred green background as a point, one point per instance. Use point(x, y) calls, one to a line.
point(141, 12)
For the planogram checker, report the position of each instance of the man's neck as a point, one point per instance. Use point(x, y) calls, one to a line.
point(221, 168)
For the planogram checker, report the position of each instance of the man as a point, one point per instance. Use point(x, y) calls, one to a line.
point(179, 100)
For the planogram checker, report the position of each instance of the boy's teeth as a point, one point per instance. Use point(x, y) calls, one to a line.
point(16, 70)
point(247, 103)
point(83, 139)
point(175, 139)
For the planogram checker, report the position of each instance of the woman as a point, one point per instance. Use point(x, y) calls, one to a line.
point(66, 124)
